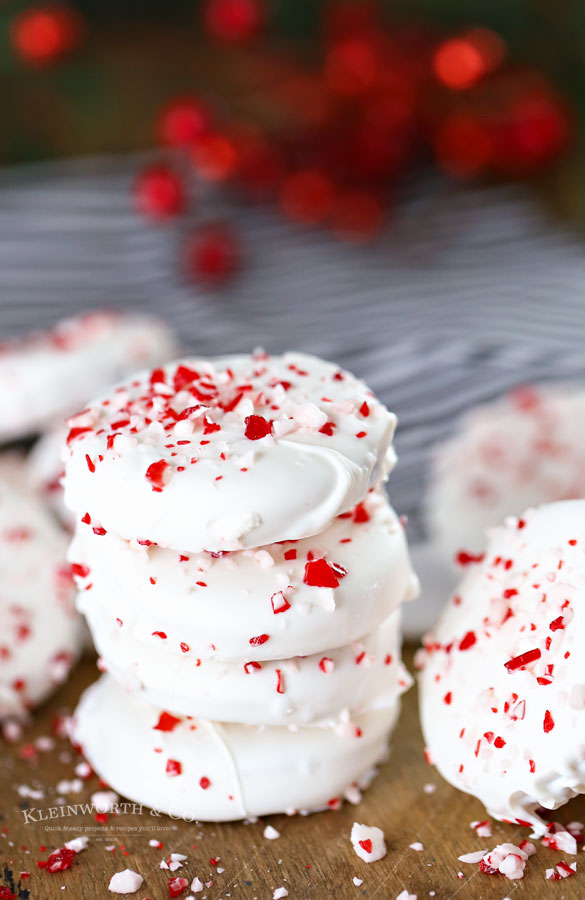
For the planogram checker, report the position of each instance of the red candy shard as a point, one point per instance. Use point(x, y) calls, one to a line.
point(318, 573)
point(79, 570)
point(557, 624)
point(204, 783)
point(279, 603)
point(59, 860)
point(279, 682)
point(548, 723)
point(173, 768)
point(166, 722)
point(260, 639)
point(468, 641)
point(6, 893)
point(251, 667)
point(463, 558)
point(160, 634)
point(90, 463)
point(365, 409)
point(366, 845)
point(360, 514)
point(290, 554)
point(177, 886)
point(328, 428)
point(257, 427)
point(158, 474)
point(75, 432)
point(518, 662)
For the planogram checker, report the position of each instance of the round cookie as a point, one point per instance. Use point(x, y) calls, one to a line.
point(522, 450)
point(363, 675)
point(45, 471)
point(40, 632)
point(502, 689)
point(43, 377)
point(289, 599)
point(228, 453)
point(202, 770)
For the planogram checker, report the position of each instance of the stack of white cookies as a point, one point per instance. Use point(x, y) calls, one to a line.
point(241, 573)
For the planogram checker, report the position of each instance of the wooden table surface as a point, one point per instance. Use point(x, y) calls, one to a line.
point(313, 857)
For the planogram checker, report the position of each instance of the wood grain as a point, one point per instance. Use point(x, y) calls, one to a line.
point(313, 858)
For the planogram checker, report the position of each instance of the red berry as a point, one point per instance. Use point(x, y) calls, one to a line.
point(40, 35)
point(235, 21)
point(159, 193)
point(307, 197)
point(182, 121)
point(212, 254)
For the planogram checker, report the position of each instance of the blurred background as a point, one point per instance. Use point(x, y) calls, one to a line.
point(397, 186)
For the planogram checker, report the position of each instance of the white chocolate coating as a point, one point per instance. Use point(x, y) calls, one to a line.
point(503, 726)
point(176, 456)
point(45, 471)
point(217, 606)
point(223, 772)
point(40, 632)
point(45, 376)
point(363, 675)
point(522, 450)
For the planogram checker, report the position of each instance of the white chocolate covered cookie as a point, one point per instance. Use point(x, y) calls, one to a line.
point(228, 453)
point(363, 675)
point(40, 632)
point(288, 599)
point(204, 770)
point(503, 682)
point(522, 450)
point(45, 376)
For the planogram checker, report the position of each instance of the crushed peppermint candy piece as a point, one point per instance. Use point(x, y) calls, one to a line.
point(558, 837)
point(474, 857)
point(417, 846)
point(78, 844)
point(177, 886)
point(561, 870)
point(368, 842)
point(271, 833)
point(483, 829)
point(404, 895)
point(126, 882)
point(357, 881)
point(104, 800)
point(279, 893)
point(197, 885)
point(59, 860)
point(507, 859)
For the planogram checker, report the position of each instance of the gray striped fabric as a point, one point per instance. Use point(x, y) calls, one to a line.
point(467, 294)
